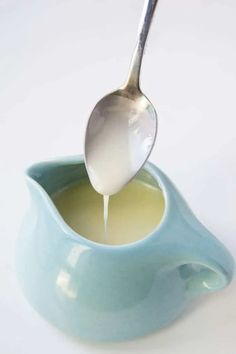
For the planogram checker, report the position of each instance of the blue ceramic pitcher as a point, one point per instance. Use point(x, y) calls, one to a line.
point(110, 293)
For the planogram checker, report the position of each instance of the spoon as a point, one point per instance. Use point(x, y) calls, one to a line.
point(122, 127)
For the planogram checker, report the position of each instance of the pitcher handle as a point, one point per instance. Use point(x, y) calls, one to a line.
point(208, 266)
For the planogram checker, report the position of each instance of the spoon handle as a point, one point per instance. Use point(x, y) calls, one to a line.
point(145, 22)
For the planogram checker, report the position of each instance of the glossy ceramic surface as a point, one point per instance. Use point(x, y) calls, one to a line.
point(110, 293)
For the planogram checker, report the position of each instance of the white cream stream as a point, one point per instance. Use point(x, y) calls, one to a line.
point(105, 216)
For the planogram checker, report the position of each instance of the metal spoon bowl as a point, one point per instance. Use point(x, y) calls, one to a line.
point(122, 127)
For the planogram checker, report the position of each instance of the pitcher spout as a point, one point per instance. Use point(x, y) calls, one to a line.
point(44, 180)
point(55, 175)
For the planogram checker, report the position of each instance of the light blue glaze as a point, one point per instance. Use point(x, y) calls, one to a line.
point(109, 293)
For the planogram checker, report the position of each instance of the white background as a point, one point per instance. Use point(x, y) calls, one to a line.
point(57, 58)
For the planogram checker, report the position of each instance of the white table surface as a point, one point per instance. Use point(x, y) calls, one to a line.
point(57, 58)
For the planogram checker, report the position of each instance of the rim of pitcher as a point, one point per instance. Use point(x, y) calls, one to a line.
point(152, 169)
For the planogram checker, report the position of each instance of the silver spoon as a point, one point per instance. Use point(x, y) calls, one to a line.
point(122, 127)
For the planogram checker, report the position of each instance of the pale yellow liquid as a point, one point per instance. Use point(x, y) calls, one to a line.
point(133, 212)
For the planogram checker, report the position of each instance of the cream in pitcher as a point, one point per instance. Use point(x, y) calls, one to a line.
point(134, 212)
